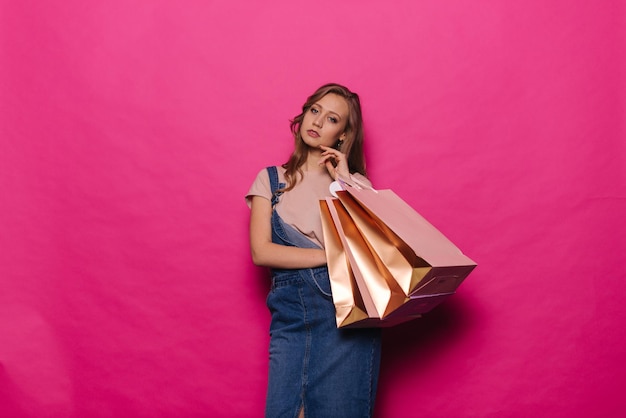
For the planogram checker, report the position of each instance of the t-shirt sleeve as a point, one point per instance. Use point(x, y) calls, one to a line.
point(260, 187)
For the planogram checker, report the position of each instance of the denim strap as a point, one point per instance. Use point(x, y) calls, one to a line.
point(274, 184)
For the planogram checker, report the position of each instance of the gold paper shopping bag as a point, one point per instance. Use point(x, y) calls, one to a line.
point(380, 292)
point(349, 305)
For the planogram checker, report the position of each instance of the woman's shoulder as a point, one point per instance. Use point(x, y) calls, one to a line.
point(261, 186)
point(279, 168)
point(264, 172)
point(262, 180)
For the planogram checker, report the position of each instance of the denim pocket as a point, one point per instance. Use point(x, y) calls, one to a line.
point(285, 302)
point(319, 279)
point(285, 280)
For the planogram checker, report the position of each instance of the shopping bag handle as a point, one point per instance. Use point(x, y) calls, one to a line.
point(352, 182)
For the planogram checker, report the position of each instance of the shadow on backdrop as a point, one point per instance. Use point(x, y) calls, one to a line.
point(412, 347)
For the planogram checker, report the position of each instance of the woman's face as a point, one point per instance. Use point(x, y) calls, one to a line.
point(325, 121)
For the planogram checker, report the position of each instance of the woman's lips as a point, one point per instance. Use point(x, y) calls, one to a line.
point(312, 133)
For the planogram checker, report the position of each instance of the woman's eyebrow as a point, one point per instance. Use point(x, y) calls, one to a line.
point(328, 110)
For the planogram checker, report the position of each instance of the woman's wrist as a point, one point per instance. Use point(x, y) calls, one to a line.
point(321, 257)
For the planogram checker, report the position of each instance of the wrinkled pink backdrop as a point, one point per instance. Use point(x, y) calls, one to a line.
point(131, 130)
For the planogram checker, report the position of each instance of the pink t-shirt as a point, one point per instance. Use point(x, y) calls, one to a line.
point(299, 207)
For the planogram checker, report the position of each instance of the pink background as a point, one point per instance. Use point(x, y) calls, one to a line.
point(130, 131)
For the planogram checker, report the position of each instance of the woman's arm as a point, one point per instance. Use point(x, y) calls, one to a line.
point(268, 254)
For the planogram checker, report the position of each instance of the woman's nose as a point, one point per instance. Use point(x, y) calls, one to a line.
point(318, 121)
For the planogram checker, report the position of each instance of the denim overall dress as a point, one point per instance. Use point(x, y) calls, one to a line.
point(329, 372)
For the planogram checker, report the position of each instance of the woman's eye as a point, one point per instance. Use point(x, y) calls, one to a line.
point(314, 111)
point(333, 120)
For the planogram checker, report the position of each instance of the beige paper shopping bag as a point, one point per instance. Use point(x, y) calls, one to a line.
point(437, 265)
point(405, 267)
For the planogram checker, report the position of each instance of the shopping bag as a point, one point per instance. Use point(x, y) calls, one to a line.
point(393, 253)
point(400, 262)
point(438, 266)
point(350, 308)
point(379, 291)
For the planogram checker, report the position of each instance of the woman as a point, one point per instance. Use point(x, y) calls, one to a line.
point(316, 369)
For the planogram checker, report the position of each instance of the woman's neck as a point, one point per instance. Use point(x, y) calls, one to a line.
point(312, 159)
point(312, 162)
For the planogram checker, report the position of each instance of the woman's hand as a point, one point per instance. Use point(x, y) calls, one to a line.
point(335, 161)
